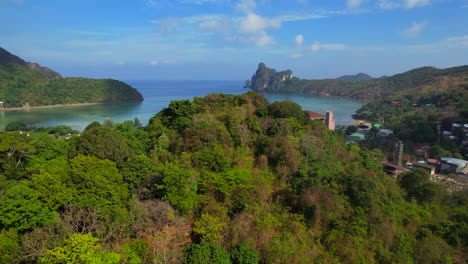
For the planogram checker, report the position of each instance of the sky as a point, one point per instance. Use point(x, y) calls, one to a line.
point(227, 39)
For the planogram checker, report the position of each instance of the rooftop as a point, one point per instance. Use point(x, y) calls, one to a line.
point(314, 115)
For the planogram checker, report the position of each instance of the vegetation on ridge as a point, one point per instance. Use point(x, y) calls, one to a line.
point(220, 179)
point(21, 83)
point(267, 79)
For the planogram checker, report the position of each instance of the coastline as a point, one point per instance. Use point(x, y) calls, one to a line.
point(48, 106)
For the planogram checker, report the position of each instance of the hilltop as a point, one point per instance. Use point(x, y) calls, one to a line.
point(357, 77)
point(29, 83)
point(414, 81)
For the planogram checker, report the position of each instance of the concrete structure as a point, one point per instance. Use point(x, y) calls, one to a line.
point(384, 132)
point(327, 118)
point(329, 121)
point(393, 169)
point(452, 165)
point(429, 168)
point(398, 154)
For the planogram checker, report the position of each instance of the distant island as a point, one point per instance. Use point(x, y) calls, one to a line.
point(357, 77)
point(25, 84)
point(420, 80)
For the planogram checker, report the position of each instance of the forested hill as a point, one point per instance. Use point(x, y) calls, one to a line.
point(431, 78)
point(23, 82)
point(220, 179)
point(356, 77)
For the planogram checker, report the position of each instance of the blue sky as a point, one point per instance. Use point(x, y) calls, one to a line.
point(226, 39)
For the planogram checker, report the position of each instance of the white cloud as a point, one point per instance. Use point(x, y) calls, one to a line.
point(317, 46)
point(262, 39)
point(120, 62)
point(299, 40)
point(459, 41)
point(297, 55)
point(354, 3)
point(202, 2)
point(415, 29)
point(416, 3)
point(253, 23)
point(302, 2)
point(386, 4)
point(154, 63)
point(214, 26)
point(246, 6)
point(290, 18)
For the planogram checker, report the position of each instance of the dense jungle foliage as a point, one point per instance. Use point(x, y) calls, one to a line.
point(220, 179)
point(20, 85)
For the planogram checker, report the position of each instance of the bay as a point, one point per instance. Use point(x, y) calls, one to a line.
point(158, 95)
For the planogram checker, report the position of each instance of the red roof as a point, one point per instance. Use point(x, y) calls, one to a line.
point(396, 103)
point(314, 115)
point(422, 165)
point(407, 157)
point(388, 164)
point(433, 161)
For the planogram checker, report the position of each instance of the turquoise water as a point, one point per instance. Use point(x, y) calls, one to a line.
point(158, 94)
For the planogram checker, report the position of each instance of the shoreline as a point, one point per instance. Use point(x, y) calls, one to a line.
point(49, 106)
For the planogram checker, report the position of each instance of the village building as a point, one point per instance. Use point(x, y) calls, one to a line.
point(315, 116)
point(384, 132)
point(407, 159)
point(392, 169)
point(429, 168)
point(453, 165)
point(422, 150)
point(327, 118)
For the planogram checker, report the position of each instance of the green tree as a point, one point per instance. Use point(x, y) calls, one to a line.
point(243, 254)
point(80, 248)
point(16, 126)
point(9, 246)
point(205, 253)
point(419, 186)
point(287, 109)
point(21, 208)
point(137, 170)
point(97, 182)
point(178, 187)
point(209, 228)
point(103, 143)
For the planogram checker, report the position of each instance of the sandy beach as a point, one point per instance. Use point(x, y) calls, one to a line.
point(45, 106)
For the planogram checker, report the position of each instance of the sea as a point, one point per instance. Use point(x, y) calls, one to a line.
point(158, 95)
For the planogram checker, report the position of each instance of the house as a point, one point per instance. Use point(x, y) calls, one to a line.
point(422, 150)
point(355, 138)
point(327, 118)
point(407, 159)
point(358, 136)
point(365, 125)
point(393, 169)
point(429, 168)
point(453, 165)
point(315, 116)
point(384, 132)
point(434, 162)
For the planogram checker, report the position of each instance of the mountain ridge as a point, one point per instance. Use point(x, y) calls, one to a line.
point(26, 83)
point(356, 77)
point(273, 81)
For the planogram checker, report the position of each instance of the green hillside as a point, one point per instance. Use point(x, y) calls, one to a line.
point(22, 83)
point(266, 79)
point(220, 179)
